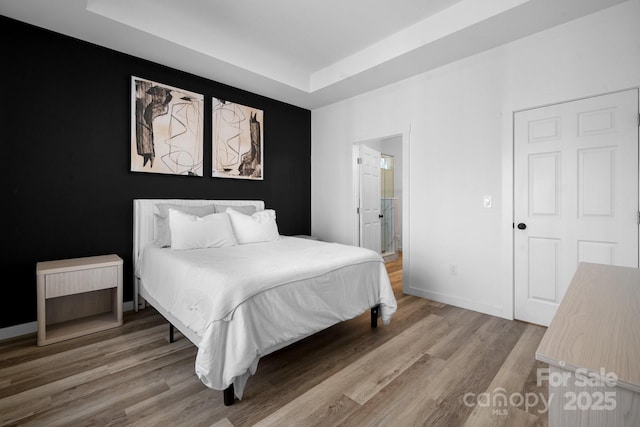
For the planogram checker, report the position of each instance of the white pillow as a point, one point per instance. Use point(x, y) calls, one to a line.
point(259, 227)
point(194, 232)
point(161, 223)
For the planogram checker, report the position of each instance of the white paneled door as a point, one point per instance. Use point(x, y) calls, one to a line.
point(576, 195)
point(370, 216)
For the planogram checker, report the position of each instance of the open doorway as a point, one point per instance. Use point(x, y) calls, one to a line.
point(389, 195)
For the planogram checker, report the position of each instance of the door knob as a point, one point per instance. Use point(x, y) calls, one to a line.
point(522, 226)
point(380, 216)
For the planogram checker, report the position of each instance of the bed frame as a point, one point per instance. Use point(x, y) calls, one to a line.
point(144, 234)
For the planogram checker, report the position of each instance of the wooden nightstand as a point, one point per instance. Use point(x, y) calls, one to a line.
point(78, 296)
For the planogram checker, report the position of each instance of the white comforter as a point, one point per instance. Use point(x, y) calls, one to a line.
point(247, 300)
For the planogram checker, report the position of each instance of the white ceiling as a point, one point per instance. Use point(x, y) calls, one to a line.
point(308, 53)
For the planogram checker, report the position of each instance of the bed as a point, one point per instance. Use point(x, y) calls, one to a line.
point(251, 293)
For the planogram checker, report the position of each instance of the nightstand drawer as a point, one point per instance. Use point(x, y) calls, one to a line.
point(75, 282)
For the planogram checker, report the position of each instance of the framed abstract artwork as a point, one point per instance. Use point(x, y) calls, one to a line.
point(237, 141)
point(166, 129)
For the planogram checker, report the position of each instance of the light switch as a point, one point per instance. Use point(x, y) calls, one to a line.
point(487, 202)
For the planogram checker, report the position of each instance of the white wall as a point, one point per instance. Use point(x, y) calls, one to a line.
point(458, 119)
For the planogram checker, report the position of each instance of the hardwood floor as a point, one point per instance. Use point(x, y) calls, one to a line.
point(433, 365)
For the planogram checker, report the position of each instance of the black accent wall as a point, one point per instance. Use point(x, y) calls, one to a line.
point(67, 190)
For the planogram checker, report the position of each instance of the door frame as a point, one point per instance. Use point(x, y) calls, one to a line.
point(513, 179)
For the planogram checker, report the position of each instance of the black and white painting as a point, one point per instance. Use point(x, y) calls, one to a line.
point(237, 141)
point(167, 129)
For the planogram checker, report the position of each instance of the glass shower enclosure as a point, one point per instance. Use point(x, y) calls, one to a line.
point(388, 208)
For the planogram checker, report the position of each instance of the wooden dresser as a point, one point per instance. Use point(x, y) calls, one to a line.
point(593, 349)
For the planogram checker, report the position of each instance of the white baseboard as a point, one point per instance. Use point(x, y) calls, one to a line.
point(32, 327)
point(127, 306)
point(457, 301)
point(18, 330)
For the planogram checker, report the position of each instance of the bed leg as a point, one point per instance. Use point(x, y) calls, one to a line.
point(171, 330)
point(229, 396)
point(374, 316)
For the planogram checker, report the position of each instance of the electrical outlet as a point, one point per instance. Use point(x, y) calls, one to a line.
point(453, 269)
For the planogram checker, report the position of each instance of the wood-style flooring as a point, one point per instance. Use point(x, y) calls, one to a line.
point(434, 365)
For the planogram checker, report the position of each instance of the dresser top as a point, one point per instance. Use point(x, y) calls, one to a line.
point(597, 325)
